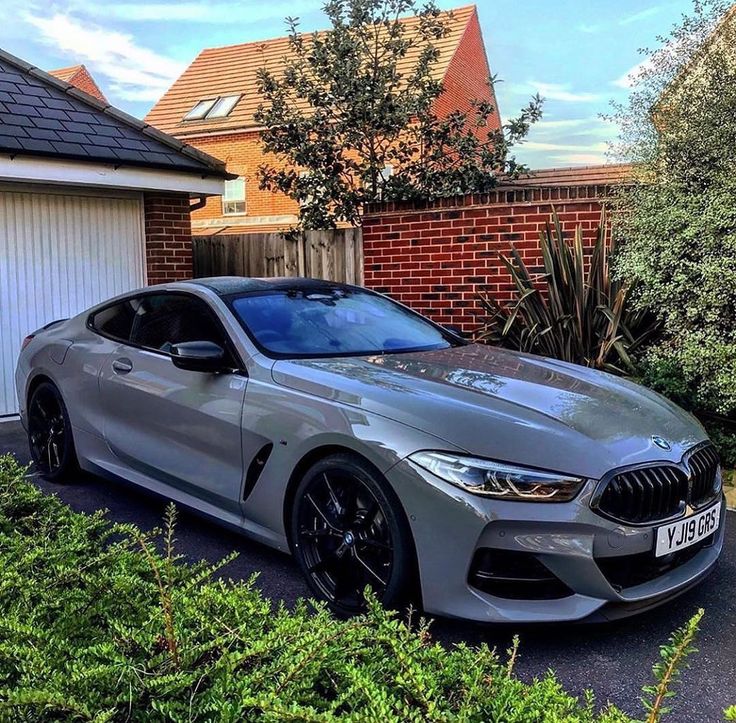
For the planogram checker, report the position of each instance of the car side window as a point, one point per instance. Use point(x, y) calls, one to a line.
point(162, 320)
point(115, 321)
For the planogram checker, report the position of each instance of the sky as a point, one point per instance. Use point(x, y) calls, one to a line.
point(578, 54)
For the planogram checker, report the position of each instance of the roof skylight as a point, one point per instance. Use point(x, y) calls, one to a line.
point(219, 107)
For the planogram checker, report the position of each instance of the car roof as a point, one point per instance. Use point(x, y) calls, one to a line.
point(227, 285)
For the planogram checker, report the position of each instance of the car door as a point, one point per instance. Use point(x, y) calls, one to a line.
point(180, 427)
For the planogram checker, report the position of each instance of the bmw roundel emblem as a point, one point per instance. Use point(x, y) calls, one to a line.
point(661, 442)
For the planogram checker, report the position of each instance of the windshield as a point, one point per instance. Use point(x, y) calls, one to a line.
point(334, 322)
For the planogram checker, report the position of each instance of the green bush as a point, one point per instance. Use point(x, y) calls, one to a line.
point(676, 220)
point(665, 375)
point(100, 622)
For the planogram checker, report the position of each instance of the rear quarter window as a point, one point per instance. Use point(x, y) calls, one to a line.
point(115, 321)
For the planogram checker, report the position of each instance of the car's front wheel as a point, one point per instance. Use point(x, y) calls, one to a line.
point(50, 433)
point(348, 532)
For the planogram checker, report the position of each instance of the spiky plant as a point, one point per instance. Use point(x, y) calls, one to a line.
point(574, 310)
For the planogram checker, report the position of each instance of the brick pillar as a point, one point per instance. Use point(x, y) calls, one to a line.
point(168, 232)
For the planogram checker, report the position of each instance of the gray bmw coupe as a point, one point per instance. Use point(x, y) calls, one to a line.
point(381, 449)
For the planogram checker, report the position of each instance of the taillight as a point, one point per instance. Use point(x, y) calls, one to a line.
point(26, 341)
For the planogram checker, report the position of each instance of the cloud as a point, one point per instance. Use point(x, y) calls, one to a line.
point(572, 147)
point(133, 72)
point(589, 29)
point(642, 15)
point(581, 159)
point(573, 128)
point(557, 91)
point(202, 12)
point(628, 79)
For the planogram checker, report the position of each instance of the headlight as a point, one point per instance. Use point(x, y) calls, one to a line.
point(497, 480)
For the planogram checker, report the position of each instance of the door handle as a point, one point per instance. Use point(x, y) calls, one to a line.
point(122, 366)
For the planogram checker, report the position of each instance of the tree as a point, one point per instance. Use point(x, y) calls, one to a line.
point(358, 99)
point(677, 222)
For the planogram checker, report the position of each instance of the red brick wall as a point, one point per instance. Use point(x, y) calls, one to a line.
point(168, 233)
point(437, 257)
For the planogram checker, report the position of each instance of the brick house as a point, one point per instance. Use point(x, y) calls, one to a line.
point(80, 77)
point(93, 202)
point(211, 106)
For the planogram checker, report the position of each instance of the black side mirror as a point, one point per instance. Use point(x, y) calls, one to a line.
point(198, 356)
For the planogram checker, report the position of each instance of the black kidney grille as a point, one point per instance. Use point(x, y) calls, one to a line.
point(644, 495)
point(657, 493)
point(703, 466)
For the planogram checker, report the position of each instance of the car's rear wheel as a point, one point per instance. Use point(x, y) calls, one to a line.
point(348, 532)
point(50, 433)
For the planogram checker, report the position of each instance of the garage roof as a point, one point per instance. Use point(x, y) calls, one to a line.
point(43, 116)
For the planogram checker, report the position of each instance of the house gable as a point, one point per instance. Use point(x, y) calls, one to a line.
point(468, 75)
point(79, 77)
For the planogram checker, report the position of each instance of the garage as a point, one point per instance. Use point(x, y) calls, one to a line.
point(61, 253)
point(93, 203)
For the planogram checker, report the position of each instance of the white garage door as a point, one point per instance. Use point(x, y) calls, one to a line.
point(59, 254)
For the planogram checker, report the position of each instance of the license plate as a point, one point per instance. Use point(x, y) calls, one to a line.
point(684, 533)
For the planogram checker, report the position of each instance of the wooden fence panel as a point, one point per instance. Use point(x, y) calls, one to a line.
point(335, 255)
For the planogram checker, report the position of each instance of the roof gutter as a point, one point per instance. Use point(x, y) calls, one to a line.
point(65, 172)
point(199, 203)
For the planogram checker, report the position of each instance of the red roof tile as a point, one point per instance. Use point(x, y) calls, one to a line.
point(231, 70)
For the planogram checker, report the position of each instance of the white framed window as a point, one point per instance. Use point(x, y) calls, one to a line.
point(217, 107)
point(201, 108)
point(233, 199)
point(223, 106)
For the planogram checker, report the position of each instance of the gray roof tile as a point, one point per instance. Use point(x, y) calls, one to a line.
point(16, 131)
point(74, 127)
point(76, 138)
point(38, 145)
point(61, 103)
point(10, 143)
point(49, 123)
point(21, 109)
point(46, 133)
point(40, 114)
point(81, 117)
point(11, 119)
point(69, 149)
point(8, 87)
point(53, 113)
point(105, 141)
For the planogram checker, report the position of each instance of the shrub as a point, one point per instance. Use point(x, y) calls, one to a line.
point(97, 624)
point(662, 373)
point(568, 312)
point(676, 221)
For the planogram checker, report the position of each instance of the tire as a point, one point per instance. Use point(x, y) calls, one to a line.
point(347, 531)
point(50, 434)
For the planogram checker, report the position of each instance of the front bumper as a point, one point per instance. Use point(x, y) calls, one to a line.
point(455, 532)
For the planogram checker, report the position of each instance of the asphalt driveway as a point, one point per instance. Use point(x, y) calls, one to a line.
point(613, 659)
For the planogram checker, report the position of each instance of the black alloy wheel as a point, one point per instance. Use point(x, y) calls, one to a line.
point(348, 532)
point(50, 433)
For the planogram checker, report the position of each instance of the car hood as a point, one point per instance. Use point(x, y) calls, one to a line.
point(506, 405)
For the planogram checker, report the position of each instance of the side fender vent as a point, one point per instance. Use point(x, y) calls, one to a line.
point(255, 469)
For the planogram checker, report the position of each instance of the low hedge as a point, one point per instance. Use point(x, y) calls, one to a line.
point(101, 622)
